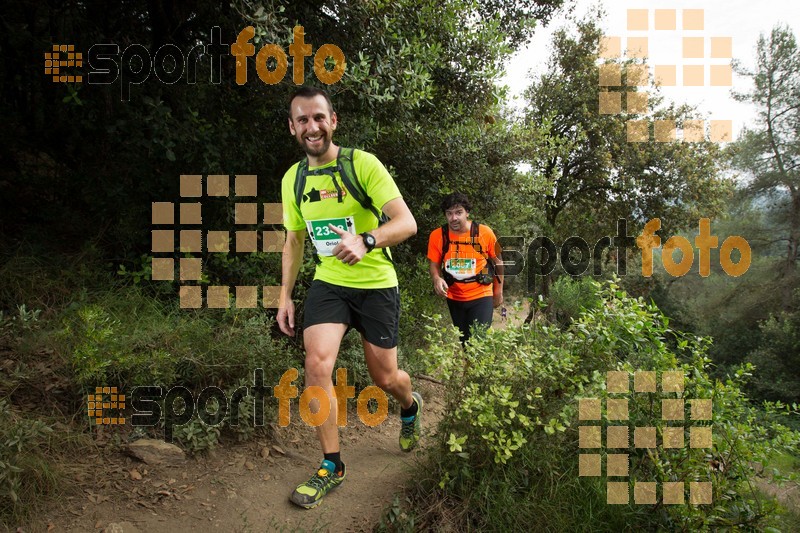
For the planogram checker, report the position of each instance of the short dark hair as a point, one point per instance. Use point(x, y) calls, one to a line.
point(454, 199)
point(309, 92)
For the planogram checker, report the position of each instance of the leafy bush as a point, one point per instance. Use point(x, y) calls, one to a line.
point(196, 436)
point(569, 297)
point(418, 302)
point(23, 471)
point(777, 356)
point(507, 449)
point(127, 340)
point(131, 339)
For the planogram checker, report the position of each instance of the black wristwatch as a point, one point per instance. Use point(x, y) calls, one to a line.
point(369, 241)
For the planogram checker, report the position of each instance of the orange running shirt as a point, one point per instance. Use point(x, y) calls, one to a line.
point(463, 260)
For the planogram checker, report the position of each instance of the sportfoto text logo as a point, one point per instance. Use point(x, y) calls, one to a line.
point(177, 229)
point(575, 254)
point(151, 404)
point(136, 63)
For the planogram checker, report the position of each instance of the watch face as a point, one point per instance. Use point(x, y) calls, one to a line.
point(369, 240)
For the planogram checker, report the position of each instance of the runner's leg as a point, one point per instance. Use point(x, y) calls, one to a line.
point(322, 343)
point(460, 318)
point(479, 313)
point(382, 365)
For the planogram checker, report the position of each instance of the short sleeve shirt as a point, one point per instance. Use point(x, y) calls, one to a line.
point(463, 260)
point(327, 202)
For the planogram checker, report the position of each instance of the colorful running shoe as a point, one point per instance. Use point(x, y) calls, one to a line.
point(410, 426)
point(309, 494)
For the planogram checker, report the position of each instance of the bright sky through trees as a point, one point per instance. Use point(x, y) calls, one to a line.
point(741, 20)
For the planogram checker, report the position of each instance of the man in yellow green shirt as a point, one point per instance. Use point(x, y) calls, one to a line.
point(355, 285)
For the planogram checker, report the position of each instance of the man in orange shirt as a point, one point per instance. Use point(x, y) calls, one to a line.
point(464, 266)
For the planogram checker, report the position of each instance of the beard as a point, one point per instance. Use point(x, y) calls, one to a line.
point(326, 144)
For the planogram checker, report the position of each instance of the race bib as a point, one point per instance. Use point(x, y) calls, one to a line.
point(324, 238)
point(461, 267)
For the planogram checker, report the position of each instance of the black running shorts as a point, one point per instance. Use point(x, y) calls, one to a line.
point(466, 314)
point(375, 313)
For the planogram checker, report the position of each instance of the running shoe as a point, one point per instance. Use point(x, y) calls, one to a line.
point(310, 493)
point(410, 426)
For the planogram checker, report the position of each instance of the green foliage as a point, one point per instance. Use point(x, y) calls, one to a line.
point(102, 353)
point(130, 339)
point(777, 357)
point(49, 282)
point(769, 153)
point(753, 318)
point(418, 302)
point(398, 517)
point(568, 297)
point(508, 448)
point(23, 471)
point(588, 168)
point(15, 325)
point(585, 175)
point(418, 90)
point(195, 436)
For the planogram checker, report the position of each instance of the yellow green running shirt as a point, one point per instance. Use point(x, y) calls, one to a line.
point(321, 205)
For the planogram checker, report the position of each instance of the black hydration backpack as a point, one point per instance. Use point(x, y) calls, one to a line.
point(347, 172)
point(486, 276)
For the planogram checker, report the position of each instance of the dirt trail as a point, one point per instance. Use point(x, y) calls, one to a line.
point(240, 487)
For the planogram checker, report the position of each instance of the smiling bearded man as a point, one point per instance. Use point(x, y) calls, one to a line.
point(352, 209)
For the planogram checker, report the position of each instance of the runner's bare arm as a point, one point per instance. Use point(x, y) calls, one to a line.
point(497, 282)
point(439, 284)
point(401, 226)
point(290, 265)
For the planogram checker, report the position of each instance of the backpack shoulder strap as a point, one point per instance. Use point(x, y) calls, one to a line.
point(300, 181)
point(474, 233)
point(347, 172)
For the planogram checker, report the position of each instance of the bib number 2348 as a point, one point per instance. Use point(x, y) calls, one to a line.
point(323, 237)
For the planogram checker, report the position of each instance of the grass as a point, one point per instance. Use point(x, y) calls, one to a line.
point(69, 324)
point(787, 494)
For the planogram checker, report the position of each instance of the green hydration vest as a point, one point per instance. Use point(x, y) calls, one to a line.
point(347, 173)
